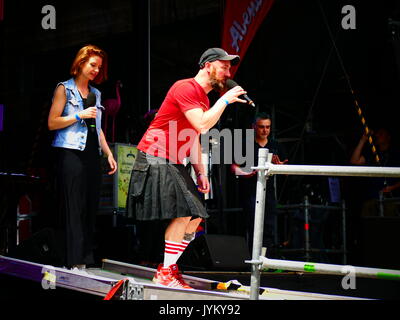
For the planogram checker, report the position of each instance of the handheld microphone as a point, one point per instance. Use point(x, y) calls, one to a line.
point(91, 102)
point(231, 84)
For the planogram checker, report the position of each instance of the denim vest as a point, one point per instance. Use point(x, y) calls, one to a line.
point(75, 135)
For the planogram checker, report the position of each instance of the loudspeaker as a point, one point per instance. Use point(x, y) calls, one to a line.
point(380, 240)
point(41, 248)
point(216, 252)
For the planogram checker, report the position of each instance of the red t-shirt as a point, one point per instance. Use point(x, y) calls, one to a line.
point(170, 135)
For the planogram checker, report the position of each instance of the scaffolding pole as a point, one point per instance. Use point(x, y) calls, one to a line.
point(306, 205)
point(346, 171)
point(258, 226)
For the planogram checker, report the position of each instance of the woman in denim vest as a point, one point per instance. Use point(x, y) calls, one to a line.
point(75, 117)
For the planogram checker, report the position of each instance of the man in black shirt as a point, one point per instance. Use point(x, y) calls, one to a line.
point(248, 181)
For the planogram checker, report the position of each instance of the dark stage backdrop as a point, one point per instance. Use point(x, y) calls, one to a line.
point(293, 68)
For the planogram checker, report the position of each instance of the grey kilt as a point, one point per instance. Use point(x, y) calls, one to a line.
point(159, 190)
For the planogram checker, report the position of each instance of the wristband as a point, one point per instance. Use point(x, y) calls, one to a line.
point(77, 117)
point(226, 101)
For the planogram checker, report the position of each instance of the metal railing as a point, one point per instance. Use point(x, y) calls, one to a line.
point(331, 269)
point(265, 169)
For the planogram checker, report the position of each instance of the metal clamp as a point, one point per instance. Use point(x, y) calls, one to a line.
point(132, 291)
point(255, 263)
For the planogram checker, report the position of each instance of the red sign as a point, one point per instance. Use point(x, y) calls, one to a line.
point(1, 10)
point(241, 22)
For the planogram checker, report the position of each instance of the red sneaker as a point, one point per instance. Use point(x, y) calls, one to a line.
point(157, 275)
point(170, 277)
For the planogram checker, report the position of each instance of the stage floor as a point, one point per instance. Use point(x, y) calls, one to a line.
point(137, 285)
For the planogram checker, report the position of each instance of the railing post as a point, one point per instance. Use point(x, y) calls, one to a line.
point(258, 225)
point(307, 228)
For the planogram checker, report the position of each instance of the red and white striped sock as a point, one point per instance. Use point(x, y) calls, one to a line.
point(171, 252)
point(184, 244)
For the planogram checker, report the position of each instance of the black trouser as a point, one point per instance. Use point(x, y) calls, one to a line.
point(78, 179)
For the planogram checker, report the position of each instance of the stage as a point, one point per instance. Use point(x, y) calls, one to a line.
point(116, 280)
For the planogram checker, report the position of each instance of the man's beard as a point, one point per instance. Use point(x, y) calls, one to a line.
point(217, 84)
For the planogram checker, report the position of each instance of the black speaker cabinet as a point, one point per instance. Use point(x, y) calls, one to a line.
point(41, 247)
point(216, 252)
point(381, 238)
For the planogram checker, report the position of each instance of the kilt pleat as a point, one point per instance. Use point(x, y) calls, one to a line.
point(159, 190)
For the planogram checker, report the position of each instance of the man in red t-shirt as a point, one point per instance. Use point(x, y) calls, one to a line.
point(170, 135)
point(160, 187)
